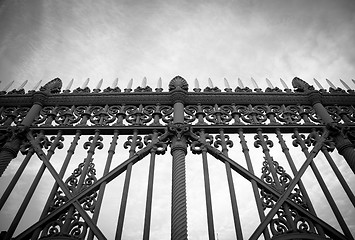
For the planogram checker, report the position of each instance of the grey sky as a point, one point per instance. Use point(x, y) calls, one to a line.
point(198, 39)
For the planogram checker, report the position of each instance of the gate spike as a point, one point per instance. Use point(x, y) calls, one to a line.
point(129, 86)
point(254, 83)
point(37, 85)
point(345, 85)
point(99, 84)
point(85, 83)
point(159, 83)
point(114, 83)
point(197, 85)
point(353, 80)
point(283, 83)
point(240, 83)
point(210, 83)
point(144, 82)
point(318, 84)
point(22, 85)
point(8, 86)
point(70, 83)
point(330, 83)
point(269, 83)
point(226, 83)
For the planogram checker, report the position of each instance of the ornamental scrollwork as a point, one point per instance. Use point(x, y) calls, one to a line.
point(218, 115)
point(289, 114)
point(137, 115)
point(100, 116)
point(254, 115)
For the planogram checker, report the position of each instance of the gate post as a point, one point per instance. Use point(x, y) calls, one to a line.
point(178, 89)
point(342, 144)
point(16, 135)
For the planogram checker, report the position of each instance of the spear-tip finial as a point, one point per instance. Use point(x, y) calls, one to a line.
point(69, 85)
point(318, 84)
point(345, 85)
point(330, 84)
point(129, 85)
point(283, 83)
point(254, 83)
point(85, 84)
point(8, 86)
point(114, 83)
point(210, 83)
point(144, 82)
point(37, 85)
point(226, 83)
point(99, 83)
point(159, 85)
point(240, 83)
point(197, 84)
point(269, 83)
point(22, 85)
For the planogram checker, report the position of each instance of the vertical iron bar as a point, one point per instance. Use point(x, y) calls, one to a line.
point(211, 233)
point(233, 198)
point(148, 204)
point(325, 189)
point(245, 150)
point(126, 188)
point(111, 152)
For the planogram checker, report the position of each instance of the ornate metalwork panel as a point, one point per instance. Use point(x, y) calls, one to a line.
point(274, 151)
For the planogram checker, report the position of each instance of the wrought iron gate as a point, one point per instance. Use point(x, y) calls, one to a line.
point(201, 122)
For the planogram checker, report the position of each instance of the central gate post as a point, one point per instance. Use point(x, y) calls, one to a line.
point(178, 88)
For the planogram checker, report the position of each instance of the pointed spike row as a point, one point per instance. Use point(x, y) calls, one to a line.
point(69, 85)
point(269, 83)
point(345, 85)
point(283, 83)
point(85, 84)
point(22, 85)
point(37, 85)
point(197, 85)
point(99, 83)
point(226, 83)
point(318, 84)
point(210, 83)
point(8, 86)
point(254, 82)
point(114, 83)
point(330, 83)
point(144, 82)
point(240, 83)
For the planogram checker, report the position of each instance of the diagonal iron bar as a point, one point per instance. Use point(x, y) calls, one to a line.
point(60, 182)
point(249, 176)
point(107, 178)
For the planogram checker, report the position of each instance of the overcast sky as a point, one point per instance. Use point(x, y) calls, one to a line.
point(194, 39)
point(41, 40)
